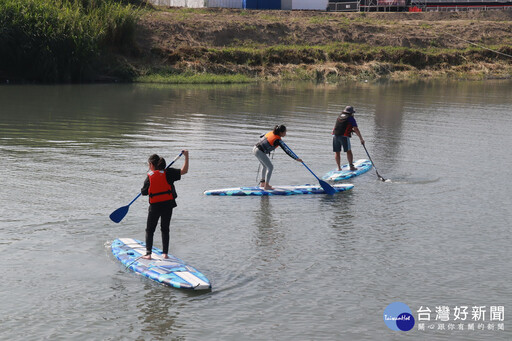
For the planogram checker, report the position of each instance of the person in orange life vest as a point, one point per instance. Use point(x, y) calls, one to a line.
point(269, 142)
point(159, 185)
point(345, 125)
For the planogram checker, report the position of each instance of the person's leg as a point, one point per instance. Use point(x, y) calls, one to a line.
point(336, 148)
point(337, 158)
point(266, 173)
point(350, 158)
point(152, 221)
point(269, 168)
point(256, 153)
point(263, 175)
point(347, 148)
point(165, 222)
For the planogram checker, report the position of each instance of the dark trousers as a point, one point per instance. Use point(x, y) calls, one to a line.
point(162, 211)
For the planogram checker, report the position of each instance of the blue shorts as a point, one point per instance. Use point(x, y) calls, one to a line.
point(338, 141)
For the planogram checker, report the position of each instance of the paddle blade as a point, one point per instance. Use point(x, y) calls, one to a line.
point(119, 214)
point(327, 188)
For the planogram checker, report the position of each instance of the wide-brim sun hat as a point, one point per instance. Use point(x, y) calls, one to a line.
point(349, 110)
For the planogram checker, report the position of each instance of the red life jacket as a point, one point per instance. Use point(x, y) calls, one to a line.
point(159, 188)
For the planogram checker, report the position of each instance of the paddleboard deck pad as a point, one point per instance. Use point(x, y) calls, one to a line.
point(170, 271)
point(278, 190)
point(362, 166)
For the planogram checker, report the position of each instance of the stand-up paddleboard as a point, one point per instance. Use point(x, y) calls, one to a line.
point(171, 271)
point(362, 166)
point(278, 190)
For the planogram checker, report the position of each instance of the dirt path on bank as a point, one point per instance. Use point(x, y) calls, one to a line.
point(183, 39)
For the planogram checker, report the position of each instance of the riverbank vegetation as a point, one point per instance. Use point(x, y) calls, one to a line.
point(326, 47)
point(65, 40)
point(115, 40)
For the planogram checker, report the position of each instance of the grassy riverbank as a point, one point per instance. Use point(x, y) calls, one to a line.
point(324, 47)
point(89, 40)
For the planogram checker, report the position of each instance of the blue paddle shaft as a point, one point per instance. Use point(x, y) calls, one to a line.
point(327, 188)
point(310, 171)
point(376, 171)
point(137, 197)
point(176, 158)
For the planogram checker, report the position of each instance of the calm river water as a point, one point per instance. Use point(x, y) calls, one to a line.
point(436, 237)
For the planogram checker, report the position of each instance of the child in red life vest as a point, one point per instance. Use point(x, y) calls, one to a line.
point(159, 185)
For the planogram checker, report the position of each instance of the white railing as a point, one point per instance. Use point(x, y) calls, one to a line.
point(224, 3)
point(179, 3)
point(199, 3)
point(463, 8)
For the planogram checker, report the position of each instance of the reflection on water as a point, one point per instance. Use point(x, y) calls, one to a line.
point(342, 211)
point(159, 311)
point(267, 225)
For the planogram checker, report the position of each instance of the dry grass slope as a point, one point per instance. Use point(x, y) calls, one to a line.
point(324, 47)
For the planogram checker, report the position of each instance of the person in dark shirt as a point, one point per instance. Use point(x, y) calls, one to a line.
point(345, 125)
point(159, 185)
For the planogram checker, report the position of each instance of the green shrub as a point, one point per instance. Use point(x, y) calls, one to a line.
point(61, 40)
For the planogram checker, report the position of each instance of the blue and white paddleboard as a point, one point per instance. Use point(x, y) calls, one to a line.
point(278, 190)
point(362, 166)
point(171, 271)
